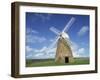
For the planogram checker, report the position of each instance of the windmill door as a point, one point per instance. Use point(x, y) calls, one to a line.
point(66, 60)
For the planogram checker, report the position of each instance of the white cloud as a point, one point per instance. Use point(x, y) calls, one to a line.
point(74, 48)
point(28, 48)
point(52, 50)
point(36, 50)
point(29, 56)
point(81, 51)
point(83, 30)
point(40, 53)
point(34, 39)
point(43, 17)
point(34, 31)
point(33, 53)
point(48, 16)
point(32, 36)
point(44, 52)
point(29, 31)
point(51, 40)
point(43, 56)
point(77, 50)
point(41, 50)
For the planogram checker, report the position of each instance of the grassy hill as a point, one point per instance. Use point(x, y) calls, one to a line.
point(51, 62)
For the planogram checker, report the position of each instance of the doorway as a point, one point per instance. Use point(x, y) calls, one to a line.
point(66, 60)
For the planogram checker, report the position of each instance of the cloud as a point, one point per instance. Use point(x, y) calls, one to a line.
point(45, 52)
point(40, 50)
point(43, 17)
point(35, 39)
point(39, 55)
point(77, 50)
point(32, 53)
point(30, 31)
point(52, 50)
point(42, 53)
point(83, 30)
point(43, 56)
point(51, 40)
point(78, 53)
point(34, 31)
point(81, 51)
point(48, 16)
point(32, 36)
point(29, 52)
point(43, 49)
point(74, 48)
point(29, 56)
point(28, 48)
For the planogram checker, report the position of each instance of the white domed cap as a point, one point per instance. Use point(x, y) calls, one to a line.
point(65, 35)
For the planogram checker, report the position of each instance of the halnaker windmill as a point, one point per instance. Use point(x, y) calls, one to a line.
point(63, 51)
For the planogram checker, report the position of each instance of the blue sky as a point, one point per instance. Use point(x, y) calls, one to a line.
point(39, 36)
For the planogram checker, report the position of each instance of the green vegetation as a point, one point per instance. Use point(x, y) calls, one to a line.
point(51, 62)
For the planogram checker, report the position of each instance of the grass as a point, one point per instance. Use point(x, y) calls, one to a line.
point(51, 62)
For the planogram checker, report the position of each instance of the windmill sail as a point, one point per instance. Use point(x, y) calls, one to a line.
point(69, 24)
point(53, 29)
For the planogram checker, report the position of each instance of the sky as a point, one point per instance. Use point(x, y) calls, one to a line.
point(39, 36)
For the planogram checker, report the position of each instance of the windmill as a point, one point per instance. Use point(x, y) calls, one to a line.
point(63, 51)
